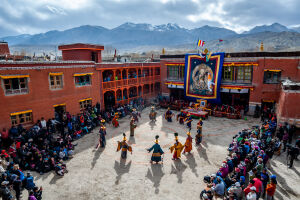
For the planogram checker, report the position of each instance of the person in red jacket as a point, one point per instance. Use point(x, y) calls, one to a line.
point(259, 185)
point(247, 189)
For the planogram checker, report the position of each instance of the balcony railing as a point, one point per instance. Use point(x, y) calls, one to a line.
point(109, 85)
point(132, 81)
point(128, 82)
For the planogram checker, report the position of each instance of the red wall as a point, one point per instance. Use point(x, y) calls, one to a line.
point(164, 76)
point(80, 55)
point(41, 99)
point(288, 105)
point(261, 91)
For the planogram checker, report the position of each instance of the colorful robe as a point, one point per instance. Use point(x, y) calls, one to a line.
point(168, 116)
point(132, 127)
point(198, 138)
point(152, 115)
point(157, 152)
point(189, 122)
point(102, 139)
point(115, 121)
point(188, 144)
point(124, 147)
point(135, 115)
point(181, 116)
point(177, 148)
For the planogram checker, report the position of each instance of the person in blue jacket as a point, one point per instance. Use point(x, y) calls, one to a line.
point(157, 151)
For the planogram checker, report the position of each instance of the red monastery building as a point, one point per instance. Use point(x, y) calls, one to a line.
point(31, 90)
point(250, 78)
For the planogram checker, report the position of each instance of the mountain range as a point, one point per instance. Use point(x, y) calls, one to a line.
point(130, 36)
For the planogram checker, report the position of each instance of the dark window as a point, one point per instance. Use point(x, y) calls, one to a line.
point(244, 74)
point(21, 118)
point(15, 86)
point(175, 72)
point(228, 74)
point(271, 77)
point(83, 80)
point(56, 82)
point(84, 104)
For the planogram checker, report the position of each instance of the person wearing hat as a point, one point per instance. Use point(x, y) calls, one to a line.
point(157, 151)
point(252, 194)
point(198, 137)
point(177, 148)
point(5, 191)
point(236, 190)
point(188, 146)
point(271, 188)
point(152, 114)
point(134, 115)
point(169, 115)
point(181, 116)
point(115, 120)
point(189, 120)
point(132, 126)
point(124, 147)
point(102, 134)
point(200, 122)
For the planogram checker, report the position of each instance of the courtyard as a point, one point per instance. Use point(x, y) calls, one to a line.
point(101, 174)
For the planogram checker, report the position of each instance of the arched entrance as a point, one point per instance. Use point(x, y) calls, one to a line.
point(132, 92)
point(140, 91)
point(109, 99)
point(125, 96)
point(146, 89)
point(119, 95)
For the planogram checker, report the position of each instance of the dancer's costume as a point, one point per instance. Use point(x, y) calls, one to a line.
point(152, 114)
point(102, 133)
point(115, 120)
point(180, 117)
point(168, 115)
point(124, 147)
point(188, 143)
point(157, 151)
point(135, 114)
point(132, 126)
point(198, 137)
point(189, 120)
point(200, 122)
point(177, 148)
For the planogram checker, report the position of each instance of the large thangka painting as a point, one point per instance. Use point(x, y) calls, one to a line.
point(203, 76)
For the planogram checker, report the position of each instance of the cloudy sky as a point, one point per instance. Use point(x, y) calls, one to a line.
point(35, 16)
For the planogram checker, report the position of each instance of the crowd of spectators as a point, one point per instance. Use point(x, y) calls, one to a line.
point(46, 145)
point(245, 174)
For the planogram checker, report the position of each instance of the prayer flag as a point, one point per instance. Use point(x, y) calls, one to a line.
point(201, 43)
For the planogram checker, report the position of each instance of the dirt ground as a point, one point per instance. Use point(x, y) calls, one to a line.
point(103, 175)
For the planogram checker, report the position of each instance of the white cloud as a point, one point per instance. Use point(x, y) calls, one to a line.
point(55, 10)
point(23, 16)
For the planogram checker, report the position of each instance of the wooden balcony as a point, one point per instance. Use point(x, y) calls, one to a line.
point(157, 78)
point(109, 85)
point(132, 81)
point(112, 85)
point(119, 84)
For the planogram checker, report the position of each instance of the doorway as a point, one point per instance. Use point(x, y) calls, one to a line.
point(59, 110)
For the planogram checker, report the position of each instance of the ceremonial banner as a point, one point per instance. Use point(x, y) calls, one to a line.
point(203, 76)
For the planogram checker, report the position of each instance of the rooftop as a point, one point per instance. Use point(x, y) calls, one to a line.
point(81, 46)
point(247, 54)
